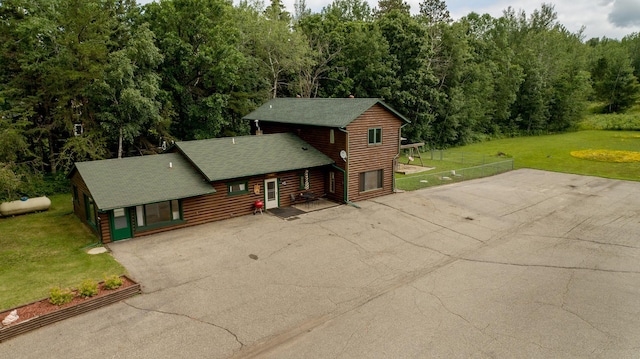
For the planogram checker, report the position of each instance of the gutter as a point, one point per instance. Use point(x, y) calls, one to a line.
point(344, 172)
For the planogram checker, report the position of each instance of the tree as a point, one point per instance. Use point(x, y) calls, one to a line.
point(413, 91)
point(130, 89)
point(613, 79)
point(387, 6)
point(347, 10)
point(59, 48)
point(632, 44)
point(202, 60)
point(280, 52)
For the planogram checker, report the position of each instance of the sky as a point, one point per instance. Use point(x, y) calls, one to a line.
point(600, 18)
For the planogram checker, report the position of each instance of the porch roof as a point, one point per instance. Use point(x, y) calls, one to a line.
point(244, 156)
point(132, 181)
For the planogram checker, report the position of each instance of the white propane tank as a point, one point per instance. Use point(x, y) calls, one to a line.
point(20, 206)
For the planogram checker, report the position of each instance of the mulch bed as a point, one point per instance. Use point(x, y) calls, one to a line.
point(41, 312)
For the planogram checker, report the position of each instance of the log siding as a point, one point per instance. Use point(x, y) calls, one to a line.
point(213, 207)
point(319, 137)
point(364, 157)
point(354, 139)
point(79, 206)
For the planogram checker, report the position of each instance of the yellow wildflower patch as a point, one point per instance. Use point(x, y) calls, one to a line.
point(607, 155)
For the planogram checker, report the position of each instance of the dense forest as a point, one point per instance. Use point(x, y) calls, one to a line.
point(93, 79)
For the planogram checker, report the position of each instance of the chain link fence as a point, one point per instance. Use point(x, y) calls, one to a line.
point(460, 166)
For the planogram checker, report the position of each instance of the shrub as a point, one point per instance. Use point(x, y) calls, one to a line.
point(59, 296)
point(112, 282)
point(88, 288)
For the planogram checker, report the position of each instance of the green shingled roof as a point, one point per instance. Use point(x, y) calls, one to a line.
point(329, 112)
point(229, 158)
point(132, 181)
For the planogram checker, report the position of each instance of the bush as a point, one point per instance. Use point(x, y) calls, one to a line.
point(88, 288)
point(112, 282)
point(59, 296)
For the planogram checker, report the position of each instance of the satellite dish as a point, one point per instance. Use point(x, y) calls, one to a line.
point(343, 155)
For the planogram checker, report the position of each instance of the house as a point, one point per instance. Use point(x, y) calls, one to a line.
point(194, 183)
point(361, 135)
point(345, 149)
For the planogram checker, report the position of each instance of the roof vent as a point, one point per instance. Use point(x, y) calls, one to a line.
point(170, 164)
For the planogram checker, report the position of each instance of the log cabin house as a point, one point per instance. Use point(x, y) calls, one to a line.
point(361, 135)
point(344, 149)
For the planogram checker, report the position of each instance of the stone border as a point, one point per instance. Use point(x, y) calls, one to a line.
point(68, 312)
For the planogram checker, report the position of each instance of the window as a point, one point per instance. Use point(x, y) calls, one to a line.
point(158, 213)
point(371, 180)
point(332, 137)
point(90, 210)
point(76, 199)
point(375, 136)
point(237, 188)
point(332, 182)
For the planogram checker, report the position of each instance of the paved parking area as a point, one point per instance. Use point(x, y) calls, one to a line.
point(520, 265)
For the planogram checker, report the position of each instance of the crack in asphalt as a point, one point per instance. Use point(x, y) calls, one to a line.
point(191, 281)
point(548, 266)
point(575, 226)
point(188, 317)
point(427, 221)
point(583, 240)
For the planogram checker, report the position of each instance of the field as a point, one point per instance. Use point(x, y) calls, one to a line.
point(550, 153)
point(553, 152)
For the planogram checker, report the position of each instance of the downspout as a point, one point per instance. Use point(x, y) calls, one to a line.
point(344, 185)
point(396, 157)
point(345, 174)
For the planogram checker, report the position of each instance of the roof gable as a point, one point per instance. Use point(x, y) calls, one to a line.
point(328, 112)
point(132, 181)
point(244, 156)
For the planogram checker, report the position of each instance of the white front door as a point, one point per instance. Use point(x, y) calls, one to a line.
point(271, 193)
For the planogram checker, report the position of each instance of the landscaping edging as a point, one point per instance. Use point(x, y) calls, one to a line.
point(28, 325)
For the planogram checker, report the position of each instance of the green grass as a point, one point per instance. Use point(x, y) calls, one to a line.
point(552, 152)
point(451, 166)
point(41, 250)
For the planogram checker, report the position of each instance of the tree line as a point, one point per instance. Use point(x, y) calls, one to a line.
point(92, 79)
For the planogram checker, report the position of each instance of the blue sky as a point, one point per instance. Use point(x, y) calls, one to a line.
point(610, 18)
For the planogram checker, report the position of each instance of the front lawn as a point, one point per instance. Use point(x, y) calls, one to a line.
point(41, 250)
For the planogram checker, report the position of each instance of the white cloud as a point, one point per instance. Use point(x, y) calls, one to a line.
point(625, 13)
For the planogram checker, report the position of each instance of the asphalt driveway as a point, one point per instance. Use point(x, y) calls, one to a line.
point(524, 264)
